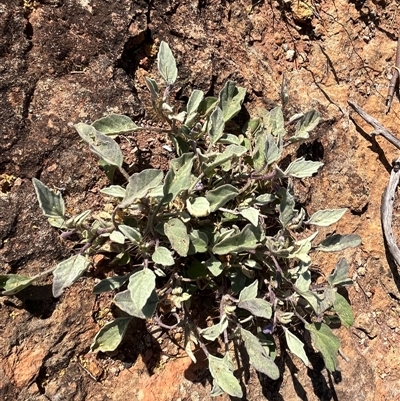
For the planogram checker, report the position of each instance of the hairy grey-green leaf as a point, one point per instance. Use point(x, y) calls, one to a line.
point(14, 283)
point(141, 285)
point(125, 302)
point(229, 152)
point(214, 265)
point(325, 342)
point(110, 284)
point(211, 333)
point(301, 168)
point(230, 100)
point(117, 237)
point(217, 125)
point(178, 178)
point(296, 346)
point(195, 99)
point(218, 197)
point(308, 122)
point(207, 105)
point(257, 307)
point(337, 242)
point(249, 292)
point(303, 281)
point(114, 190)
point(86, 132)
point(67, 272)
point(286, 207)
point(52, 204)
point(224, 377)
point(153, 88)
point(264, 199)
point(131, 233)
point(163, 256)
point(166, 64)
point(110, 335)
point(251, 214)
point(140, 184)
point(273, 149)
point(343, 309)
point(176, 232)
point(257, 355)
point(274, 122)
point(107, 149)
point(198, 242)
point(325, 218)
point(340, 276)
point(230, 139)
point(115, 124)
point(198, 207)
point(245, 240)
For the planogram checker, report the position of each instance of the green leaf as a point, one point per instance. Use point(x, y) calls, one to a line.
point(140, 184)
point(193, 104)
point(308, 122)
point(178, 178)
point(110, 335)
point(257, 307)
point(86, 132)
point(223, 376)
point(67, 272)
point(247, 239)
point(14, 283)
point(176, 232)
point(163, 256)
point(264, 199)
point(114, 190)
point(273, 150)
point(141, 285)
point(325, 218)
point(153, 88)
point(217, 125)
point(301, 168)
point(207, 105)
point(124, 301)
point(166, 64)
point(218, 197)
point(257, 355)
point(131, 233)
point(343, 309)
point(200, 207)
point(212, 333)
point(110, 284)
point(337, 242)
point(198, 242)
point(251, 214)
point(230, 100)
point(52, 204)
point(214, 266)
point(249, 292)
point(274, 122)
point(229, 152)
point(296, 346)
point(107, 149)
point(114, 124)
point(117, 237)
point(325, 342)
point(340, 276)
point(287, 212)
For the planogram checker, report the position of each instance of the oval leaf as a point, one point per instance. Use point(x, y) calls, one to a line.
point(325, 218)
point(114, 124)
point(296, 346)
point(67, 272)
point(110, 335)
point(141, 285)
point(343, 309)
point(124, 301)
point(166, 64)
point(110, 284)
point(200, 207)
point(107, 149)
point(163, 256)
point(177, 234)
point(249, 292)
point(301, 168)
point(338, 242)
point(257, 307)
point(218, 197)
point(131, 233)
point(14, 283)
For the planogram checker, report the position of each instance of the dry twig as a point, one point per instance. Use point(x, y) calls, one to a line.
point(395, 78)
point(390, 191)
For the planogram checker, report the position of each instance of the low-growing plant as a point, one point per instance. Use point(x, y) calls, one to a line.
point(221, 223)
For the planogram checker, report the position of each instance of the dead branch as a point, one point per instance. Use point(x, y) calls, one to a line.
point(390, 191)
point(393, 81)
